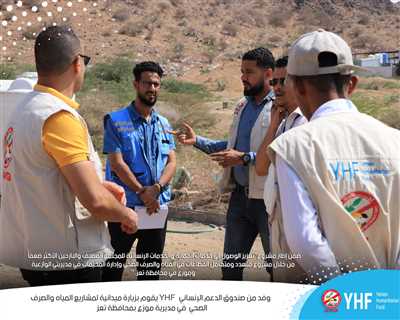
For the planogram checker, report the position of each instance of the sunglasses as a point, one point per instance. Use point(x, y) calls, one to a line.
point(86, 59)
point(275, 81)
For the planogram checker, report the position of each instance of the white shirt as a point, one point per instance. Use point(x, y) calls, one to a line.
point(300, 218)
point(294, 119)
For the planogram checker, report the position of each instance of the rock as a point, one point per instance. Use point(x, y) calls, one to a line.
point(182, 179)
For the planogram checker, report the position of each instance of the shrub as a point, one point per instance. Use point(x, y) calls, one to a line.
point(7, 71)
point(163, 5)
point(117, 70)
point(183, 87)
point(132, 28)
point(106, 33)
point(221, 85)
point(364, 19)
point(177, 51)
point(278, 18)
point(121, 15)
point(229, 29)
point(373, 85)
point(274, 39)
point(180, 14)
point(31, 3)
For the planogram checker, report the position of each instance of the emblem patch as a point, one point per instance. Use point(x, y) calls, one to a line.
point(363, 207)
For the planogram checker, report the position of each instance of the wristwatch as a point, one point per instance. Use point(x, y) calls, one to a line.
point(246, 159)
point(162, 187)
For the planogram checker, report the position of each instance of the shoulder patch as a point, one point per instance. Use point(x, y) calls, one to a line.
point(239, 106)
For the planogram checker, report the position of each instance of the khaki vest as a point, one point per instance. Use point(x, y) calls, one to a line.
point(40, 219)
point(256, 183)
point(285, 269)
point(350, 165)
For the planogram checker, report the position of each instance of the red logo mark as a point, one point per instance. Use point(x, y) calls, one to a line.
point(363, 207)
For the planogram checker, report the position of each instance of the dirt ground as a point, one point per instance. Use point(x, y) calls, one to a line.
point(181, 250)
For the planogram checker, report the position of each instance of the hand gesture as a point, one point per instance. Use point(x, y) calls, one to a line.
point(277, 115)
point(228, 158)
point(186, 135)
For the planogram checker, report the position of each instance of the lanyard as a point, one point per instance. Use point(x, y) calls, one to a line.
point(294, 121)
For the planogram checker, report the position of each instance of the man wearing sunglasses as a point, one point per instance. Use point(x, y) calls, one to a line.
point(285, 115)
point(50, 164)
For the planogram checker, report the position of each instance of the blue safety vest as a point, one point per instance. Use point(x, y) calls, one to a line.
point(132, 150)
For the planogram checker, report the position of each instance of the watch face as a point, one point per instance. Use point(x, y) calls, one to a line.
point(164, 188)
point(246, 158)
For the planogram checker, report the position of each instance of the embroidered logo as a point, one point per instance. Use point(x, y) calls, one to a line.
point(7, 153)
point(363, 207)
point(240, 105)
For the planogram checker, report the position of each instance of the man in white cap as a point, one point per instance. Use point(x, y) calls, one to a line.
point(339, 174)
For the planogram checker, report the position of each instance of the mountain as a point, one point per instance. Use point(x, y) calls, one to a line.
point(195, 34)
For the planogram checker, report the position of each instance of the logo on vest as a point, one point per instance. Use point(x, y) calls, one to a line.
point(239, 107)
point(7, 153)
point(350, 170)
point(331, 299)
point(363, 207)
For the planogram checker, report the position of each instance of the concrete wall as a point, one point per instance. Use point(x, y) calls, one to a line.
point(386, 72)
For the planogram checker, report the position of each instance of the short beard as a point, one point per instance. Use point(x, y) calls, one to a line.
point(145, 101)
point(254, 90)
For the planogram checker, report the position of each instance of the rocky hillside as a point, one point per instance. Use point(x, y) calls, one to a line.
point(195, 34)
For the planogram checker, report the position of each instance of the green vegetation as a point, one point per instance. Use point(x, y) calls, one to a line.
point(374, 84)
point(7, 72)
point(113, 77)
point(10, 71)
point(391, 84)
point(181, 87)
point(381, 109)
point(386, 106)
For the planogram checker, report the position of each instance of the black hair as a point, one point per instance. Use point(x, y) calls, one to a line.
point(282, 62)
point(55, 49)
point(263, 56)
point(147, 66)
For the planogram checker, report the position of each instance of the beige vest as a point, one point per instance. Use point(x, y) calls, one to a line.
point(285, 267)
point(40, 221)
point(256, 183)
point(350, 165)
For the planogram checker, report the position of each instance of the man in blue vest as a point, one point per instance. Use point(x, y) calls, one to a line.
point(141, 159)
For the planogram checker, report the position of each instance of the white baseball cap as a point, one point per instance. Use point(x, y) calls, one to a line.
point(307, 53)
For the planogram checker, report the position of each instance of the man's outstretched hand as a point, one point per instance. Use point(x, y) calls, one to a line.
point(185, 135)
point(228, 158)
